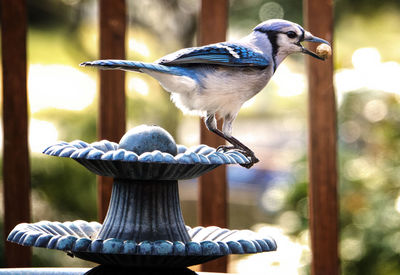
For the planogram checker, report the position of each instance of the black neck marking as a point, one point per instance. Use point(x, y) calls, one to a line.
point(273, 39)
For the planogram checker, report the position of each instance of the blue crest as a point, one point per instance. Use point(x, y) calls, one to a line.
point(274, 25)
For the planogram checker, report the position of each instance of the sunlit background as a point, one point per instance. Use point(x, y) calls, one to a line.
point(271, 197)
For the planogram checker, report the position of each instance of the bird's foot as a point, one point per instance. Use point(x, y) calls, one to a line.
point(225, 148)
point(248, 153)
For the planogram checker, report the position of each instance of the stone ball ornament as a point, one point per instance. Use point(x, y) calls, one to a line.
point(144, 226)
point(145, 138)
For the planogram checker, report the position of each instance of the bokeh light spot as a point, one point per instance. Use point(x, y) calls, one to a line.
point(41, 134)
point(357, 169)
point(273, 198)
point(375, 110)
point(365, 58)
point(59, 86)
point(138, 85)
point(138, 47)
point(351, 249)
point(349, 131)
point(271, 10)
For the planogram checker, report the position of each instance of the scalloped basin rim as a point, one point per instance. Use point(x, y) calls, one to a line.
point(76, 237)
point(109, 151)
point(104, 158)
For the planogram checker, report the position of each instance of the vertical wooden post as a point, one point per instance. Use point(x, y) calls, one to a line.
point(16, 168)
point(112, 86)
point(324, 223)
point(213, 186)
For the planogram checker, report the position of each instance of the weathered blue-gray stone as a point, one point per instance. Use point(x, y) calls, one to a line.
point(146, 138)
point(144, 224)
point(80, 238)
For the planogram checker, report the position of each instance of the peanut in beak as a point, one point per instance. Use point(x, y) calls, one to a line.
point(324, 51)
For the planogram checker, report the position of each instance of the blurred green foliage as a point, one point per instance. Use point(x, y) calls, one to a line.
point(369, 185)
point(65, 185)
point(369, 165)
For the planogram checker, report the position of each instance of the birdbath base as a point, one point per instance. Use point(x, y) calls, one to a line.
point(144, 225)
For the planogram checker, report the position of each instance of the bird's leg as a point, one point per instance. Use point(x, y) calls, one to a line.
point(211, 124)
point(227, 130)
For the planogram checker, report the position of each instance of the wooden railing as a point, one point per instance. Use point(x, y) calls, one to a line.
point(318, 15)
point(16, 170)
point(323, 201)
point(111, 119)
point(213, 194)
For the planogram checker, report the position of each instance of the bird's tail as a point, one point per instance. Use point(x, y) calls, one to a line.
point(111, 64)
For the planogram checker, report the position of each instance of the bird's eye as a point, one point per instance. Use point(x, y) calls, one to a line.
point(291, 34)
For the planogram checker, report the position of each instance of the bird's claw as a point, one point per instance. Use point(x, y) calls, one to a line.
point(249, 154)
point(253, 159)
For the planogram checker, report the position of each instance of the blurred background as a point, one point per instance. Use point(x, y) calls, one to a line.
point(272, 196)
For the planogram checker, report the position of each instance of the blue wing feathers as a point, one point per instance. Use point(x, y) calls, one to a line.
point(221, 54)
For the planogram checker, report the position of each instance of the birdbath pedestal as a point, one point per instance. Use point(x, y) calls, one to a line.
point(144, 226)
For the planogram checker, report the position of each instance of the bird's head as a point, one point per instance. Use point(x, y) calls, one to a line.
point(286, 37)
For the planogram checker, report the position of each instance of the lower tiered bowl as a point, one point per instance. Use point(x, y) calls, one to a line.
point(80, 239)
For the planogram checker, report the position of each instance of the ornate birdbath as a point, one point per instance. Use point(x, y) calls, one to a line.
point(144, 226)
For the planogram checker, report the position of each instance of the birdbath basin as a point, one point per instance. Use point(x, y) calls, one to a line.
point(144, 224)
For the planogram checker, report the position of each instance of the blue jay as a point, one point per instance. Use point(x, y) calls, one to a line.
point(216, 79)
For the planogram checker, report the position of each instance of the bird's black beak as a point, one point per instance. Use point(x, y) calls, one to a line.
point(310, 38)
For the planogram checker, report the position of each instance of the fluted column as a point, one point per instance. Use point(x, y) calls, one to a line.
point(144, 210)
